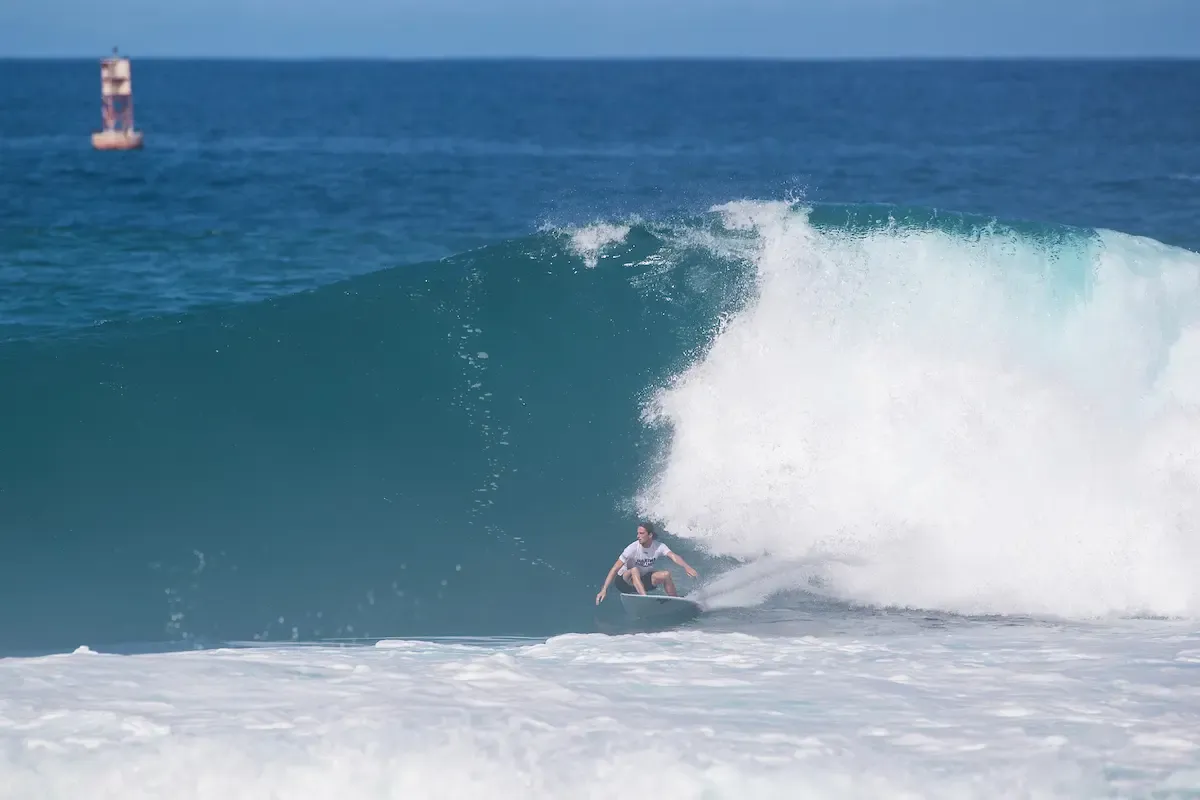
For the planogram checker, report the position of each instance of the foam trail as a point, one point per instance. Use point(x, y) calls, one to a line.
point(989, 423)
point(753, 583)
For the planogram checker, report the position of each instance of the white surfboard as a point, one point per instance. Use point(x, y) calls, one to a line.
point(660, 607)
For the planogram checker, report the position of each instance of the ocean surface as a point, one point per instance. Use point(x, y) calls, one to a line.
point(323, 417)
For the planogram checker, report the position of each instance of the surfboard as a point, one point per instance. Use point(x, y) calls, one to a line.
point(660, 607)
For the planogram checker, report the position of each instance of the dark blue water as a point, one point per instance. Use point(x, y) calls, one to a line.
point(243, 392)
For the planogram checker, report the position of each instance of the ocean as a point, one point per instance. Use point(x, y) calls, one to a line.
point(324, 416)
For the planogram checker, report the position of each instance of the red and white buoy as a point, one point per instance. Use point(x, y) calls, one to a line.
point(116, 106)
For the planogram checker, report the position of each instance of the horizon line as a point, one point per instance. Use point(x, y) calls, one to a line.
point(616, 57)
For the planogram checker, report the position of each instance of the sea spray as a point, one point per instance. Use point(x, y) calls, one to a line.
point(979, 432)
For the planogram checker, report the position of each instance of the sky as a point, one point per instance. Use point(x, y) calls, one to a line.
point(404, 29)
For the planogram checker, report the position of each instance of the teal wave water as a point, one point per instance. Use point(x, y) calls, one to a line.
point(461, 447)
point(426, 449)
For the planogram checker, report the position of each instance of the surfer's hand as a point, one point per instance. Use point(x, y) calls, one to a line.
point(691, 572)
point(600, 596)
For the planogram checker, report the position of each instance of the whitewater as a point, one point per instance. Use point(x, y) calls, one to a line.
point(995, 423)
point(1021, 712)
point(940, 481)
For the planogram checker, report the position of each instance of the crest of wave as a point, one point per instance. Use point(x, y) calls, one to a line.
point(947, 423)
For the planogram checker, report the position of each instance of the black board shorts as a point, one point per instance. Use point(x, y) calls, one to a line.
point(626, 587)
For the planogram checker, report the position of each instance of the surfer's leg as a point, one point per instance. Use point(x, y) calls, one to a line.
point(663, 578)
point(635, 577)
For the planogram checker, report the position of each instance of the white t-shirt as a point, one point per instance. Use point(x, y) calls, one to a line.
point(642, 557)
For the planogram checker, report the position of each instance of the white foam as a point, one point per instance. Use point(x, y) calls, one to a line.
point(948, 421)
point(954, 713)
point(590, 241)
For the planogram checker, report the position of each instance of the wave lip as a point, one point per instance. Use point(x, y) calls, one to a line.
point(959, 416)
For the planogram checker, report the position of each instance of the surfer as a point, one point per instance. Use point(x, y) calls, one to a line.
point(635, 566)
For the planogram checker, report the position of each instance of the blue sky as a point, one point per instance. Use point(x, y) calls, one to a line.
point(586, 28)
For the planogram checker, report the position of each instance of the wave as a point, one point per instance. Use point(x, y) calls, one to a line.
point(936, 410)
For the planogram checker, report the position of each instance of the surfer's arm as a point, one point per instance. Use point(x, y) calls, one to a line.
point(678, 559)
point(612, 573)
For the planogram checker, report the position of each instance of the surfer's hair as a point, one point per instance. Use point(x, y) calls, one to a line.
point(649, 526)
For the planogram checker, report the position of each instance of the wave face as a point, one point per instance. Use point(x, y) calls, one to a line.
point(973, 419)
point(929, 410)
point(430, 450)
